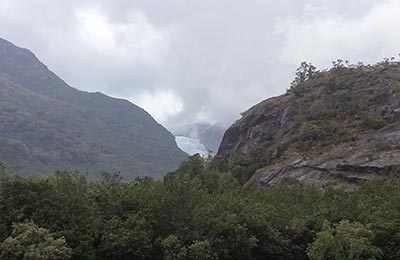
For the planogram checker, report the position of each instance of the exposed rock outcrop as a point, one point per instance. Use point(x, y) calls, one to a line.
point(340, 127)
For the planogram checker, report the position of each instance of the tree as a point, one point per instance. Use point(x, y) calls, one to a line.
point(321, 247)
point(339, 64)
point(2, 169)
point(305, 72)
point(130, 239)
point(30, 242)
point(194, 166)
point(4, 175)
point(344, 240)
point(200, 250)
point(173, 248)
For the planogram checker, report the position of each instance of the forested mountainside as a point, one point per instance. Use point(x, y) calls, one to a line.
point(339, 126)
point(47, 125)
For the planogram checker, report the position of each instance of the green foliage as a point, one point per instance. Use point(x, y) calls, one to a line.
point(340, 65)
point(338, 105)
point(305, 72)
point(30, 242)
point(321, 134)
point(344, 241)
point(200, 250)
point(3, 170)
point(321, 247)
point(190, 216)
point(126, 239)
point(322, 115)
point(194, 166)
point(372, 122)
point(173, 248)
point(242, 167)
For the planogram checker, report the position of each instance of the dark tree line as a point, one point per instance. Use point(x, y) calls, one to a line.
point(194, 213)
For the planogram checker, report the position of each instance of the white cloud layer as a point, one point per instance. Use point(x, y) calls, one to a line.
point(370, 37)
point(160, 104)
point(217, 57)
point(135, 41)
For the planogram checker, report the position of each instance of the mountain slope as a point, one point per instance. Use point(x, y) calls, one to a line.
point(341, 126)
point(47, 125)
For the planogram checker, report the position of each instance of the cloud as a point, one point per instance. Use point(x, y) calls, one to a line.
point(135, 41)
point(160, 105)
point(323, 38)
point(215, 59)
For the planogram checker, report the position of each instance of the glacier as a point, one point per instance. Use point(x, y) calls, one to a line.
point(191, 146)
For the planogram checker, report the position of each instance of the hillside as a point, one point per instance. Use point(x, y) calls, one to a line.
point(47, 125)
point(340, 127)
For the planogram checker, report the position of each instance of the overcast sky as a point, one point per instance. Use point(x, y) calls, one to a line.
point(187, 61)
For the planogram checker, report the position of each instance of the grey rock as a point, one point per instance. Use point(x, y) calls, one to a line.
point(344, 129)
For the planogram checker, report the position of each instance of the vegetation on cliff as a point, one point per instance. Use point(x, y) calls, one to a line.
point(323, 116)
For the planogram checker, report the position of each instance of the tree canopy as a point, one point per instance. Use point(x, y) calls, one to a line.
point(194, 213)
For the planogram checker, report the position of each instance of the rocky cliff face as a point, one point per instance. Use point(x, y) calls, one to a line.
point(47, 125)
point(342, 127)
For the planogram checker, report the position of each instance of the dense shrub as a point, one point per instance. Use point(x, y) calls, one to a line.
point(199, 215)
